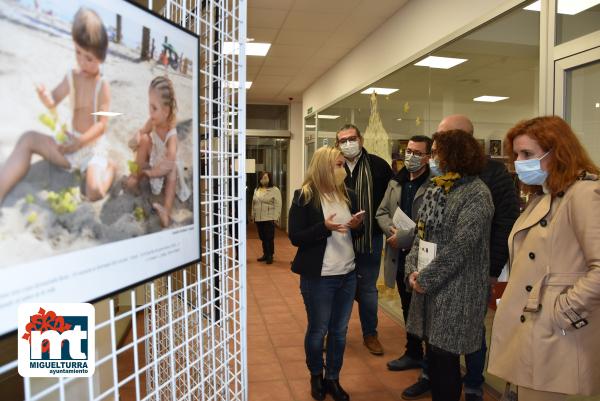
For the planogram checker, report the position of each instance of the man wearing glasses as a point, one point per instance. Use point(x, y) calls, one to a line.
point(368, 175)
point(404, 192)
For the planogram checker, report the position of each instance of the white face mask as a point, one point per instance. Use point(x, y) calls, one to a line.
point(350, 149)
point(339, 175)
point(530, 171)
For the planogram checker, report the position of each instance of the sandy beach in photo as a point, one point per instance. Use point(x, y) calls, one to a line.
point(37, 48)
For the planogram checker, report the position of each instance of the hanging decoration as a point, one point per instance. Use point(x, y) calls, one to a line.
point(376, 139)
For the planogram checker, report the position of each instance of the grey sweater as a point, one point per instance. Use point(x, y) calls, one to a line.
point(450, 313)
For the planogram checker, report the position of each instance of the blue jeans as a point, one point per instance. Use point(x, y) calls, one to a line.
point(475, 363)
point(328, 301)
point(367, 268)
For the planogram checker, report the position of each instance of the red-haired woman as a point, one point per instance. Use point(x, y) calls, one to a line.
point(545, 336)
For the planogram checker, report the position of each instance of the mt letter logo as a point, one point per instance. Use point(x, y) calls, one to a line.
point(56, 340)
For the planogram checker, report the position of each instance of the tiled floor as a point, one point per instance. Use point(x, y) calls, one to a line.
point(276, 325)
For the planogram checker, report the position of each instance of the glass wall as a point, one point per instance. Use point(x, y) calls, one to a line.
point(310, 137)
point(499, 59)
point(576, 18)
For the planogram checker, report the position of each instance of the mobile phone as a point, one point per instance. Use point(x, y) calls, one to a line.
point(360, 213)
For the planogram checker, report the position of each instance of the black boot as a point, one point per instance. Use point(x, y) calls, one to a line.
point(317, 387)
point(269, 259)
point(334, 388)
point(261, 259)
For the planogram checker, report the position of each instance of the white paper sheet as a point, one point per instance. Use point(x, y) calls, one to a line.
point(401, 221)
point(427, 251)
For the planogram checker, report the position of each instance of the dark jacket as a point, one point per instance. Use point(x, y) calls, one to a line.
point(382, 174)
point(307, 231)
point(506, 212)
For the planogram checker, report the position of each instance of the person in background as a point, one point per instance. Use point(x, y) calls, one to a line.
point(266, 209)
point(506, 211)
point(450, 288)
point(405, 192)
point(368, 176)
point(545, 334)
point(323, 220)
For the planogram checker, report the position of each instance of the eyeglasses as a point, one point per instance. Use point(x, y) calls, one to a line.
point(410, 152)
point(348, 139)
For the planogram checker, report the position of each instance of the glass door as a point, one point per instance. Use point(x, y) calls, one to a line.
point(577, 97)
point(269, 154)
point(310, 139)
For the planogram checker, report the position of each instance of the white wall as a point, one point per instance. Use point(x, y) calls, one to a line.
point(296, 153)
point(419, 25)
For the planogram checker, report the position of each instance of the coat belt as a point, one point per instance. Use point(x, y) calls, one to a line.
point(549, 279)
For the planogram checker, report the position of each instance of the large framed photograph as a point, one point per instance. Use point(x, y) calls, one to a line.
point(98, 150)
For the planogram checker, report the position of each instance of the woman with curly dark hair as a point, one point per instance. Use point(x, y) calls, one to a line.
point(448, 265)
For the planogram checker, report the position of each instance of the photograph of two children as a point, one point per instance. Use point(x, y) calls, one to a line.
point(98, 141)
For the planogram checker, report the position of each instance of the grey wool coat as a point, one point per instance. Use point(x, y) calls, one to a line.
point(450, 314)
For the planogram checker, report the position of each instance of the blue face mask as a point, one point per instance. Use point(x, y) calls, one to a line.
point(435, 168)
point(530, 171)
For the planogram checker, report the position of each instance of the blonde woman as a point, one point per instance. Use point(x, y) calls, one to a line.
point(322, 222)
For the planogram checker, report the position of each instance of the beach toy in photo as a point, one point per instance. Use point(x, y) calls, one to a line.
point(32, 217)
point(139, 213)
point(65, 201)
point(134, 168)
point(58, 128)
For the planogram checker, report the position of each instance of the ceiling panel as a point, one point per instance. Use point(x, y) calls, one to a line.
point(262, 35)
point(308, 37)
point(383, 8)
point(274, 4)
point(265, 18)
point(298, 52)
point(302, 37)
point(321, 21)
point(339, 6)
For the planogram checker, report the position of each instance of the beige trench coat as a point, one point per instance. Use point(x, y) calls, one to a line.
point(554, 282)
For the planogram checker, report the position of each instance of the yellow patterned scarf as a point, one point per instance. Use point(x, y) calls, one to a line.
point(434, 205)
point(446, 181)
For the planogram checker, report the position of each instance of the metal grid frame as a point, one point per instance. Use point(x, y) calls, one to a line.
point(187, 329)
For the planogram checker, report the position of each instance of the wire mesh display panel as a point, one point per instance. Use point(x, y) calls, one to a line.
point(181, 336)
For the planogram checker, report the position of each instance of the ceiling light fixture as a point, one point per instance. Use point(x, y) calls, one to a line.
point(379, 91)
point(106, 114)
point(327, 116)
point(598, 105)
point(252, 49)
point(489, 99)
point(310, 126)
point(398, 119)
point(440, 62)
point(568, 7)
point(236, 84)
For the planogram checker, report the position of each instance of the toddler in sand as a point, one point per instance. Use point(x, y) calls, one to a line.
point(88, 92)
point(156, 144)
